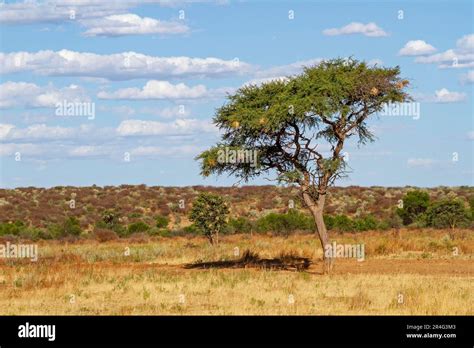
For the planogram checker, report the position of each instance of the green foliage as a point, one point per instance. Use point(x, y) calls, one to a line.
point(209, 214)
point(13, 228)
point(69, 227)
point(329, 102)
point(162, 232)
point(284, 223)
point(471, 206)
point(161, 221)
point(239, 225)
point(192, 229)
point(415, 204)
point(340, 223)
point(447, 213)
point(137, 227)
point(366, 223)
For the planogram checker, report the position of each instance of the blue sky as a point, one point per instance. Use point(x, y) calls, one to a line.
point(156, 71)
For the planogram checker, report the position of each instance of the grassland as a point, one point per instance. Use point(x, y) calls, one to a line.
point(422, 272)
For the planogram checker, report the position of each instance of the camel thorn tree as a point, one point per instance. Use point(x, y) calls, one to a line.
point(289, 121)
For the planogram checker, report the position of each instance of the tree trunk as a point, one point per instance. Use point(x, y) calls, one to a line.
point(211, 239)
point(316, 209)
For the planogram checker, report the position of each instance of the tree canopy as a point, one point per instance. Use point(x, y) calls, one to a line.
point(287, 120)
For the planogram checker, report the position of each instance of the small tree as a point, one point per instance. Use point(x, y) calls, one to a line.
point(71, 227)
point(209, 213)
point(415, 204)
point(286, 121)
point(162, 221)
point(448, 213)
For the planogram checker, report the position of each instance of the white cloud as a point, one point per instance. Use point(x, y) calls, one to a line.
point(445, 96)
point(87, 151)
point(460, 57)
point(466, 43)
point(131, 24)
point(157, 90)
point(35, 132)
point(420, 162)
point(123, 110)
point(5, 130)
point(9, 149)
point(170, 112)
point(416, 48)
point(178, 127)
point(370, 29)
point(280, 71)
point(470, 135)
point(152, 151)
point(468, 77)
point(23, 94)
point(118, 66)
point(58, 11)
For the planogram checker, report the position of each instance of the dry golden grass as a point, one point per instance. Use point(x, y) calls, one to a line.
point(414, 272)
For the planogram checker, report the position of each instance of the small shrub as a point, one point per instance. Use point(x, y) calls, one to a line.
point(209, 213)
point(342, 223)
point(137, 227)
point(415, 204)
point(13, 229)
point(447, 213)
point(239, 225)
point(161, 221)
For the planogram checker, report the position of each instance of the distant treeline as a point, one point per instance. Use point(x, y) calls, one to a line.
point(415, 210)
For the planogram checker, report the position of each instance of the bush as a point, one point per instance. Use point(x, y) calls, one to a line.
point(342, 223)
point(284, 223)
point(471, 206)
point(415, 203)
point(209, 213)
point(239, 225)
point(365, 223)
point(71, 227)
point(192, 229)
point(13, 229)
point(161, 221)
point(447, 213)
point(137, 227)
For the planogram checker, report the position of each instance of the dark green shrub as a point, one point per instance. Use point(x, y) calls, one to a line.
point(447, 213)
point(137, 227)
point(284, 223)
point(13, 228)
point(192, 229)
point(209, 213)
point(238, 225)
point(415, 204)
point(161, 221)
point(342, 223)
point(365, 223)
point(71, 227)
